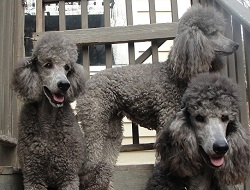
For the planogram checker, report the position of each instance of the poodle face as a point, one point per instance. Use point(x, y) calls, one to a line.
point(207, 132)
point(51, 72)
point(210, 128)
point(210, 24)
point(199, 43)
point(210, 106)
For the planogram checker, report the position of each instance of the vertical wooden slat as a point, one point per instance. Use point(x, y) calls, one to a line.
point(62, 22)
point(131, 55)
point(174, 10)
point(10, 50)
point(9, 71)
point(18, 55)
point(131, 47)
point(2, 33)
point(84, 13)
point(85, 49)
point(107, 24)
point(8, 25)
point(230, 58)
point(247, 59)
point(152, 16)
point(40, 20)
point(227, 30)
point(240, 70)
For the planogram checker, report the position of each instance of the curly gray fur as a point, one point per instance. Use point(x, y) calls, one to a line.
point(149, 94)
point(51, 147)
point(182, 143)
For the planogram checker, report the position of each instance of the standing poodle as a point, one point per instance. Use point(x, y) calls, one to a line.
point(205, 147)
point(149, 94)
point(50, 143)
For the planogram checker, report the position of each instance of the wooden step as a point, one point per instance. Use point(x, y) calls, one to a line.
point(125, 177)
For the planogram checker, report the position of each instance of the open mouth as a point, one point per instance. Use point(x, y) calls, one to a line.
point(55, 100)
point(213, 161)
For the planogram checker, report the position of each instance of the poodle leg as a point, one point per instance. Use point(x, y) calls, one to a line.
point(103, 139)
point(113, 144)
point(98, 175)
point(72, 184)
point(34, 186)
point(94, 112)
point(33, 180)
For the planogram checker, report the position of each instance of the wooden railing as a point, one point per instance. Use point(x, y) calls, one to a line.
point(11, 52)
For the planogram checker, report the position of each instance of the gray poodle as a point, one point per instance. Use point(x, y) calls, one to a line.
point(50, 143)
point(204, 147)
point(148, 94)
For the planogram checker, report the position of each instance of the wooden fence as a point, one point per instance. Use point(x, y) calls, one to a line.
point(11, 50)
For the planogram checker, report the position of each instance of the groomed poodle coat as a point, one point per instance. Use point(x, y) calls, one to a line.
point(148, 94)
point(205, 147)
point(50, 143)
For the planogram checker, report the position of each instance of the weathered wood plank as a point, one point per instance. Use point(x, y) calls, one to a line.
point(120, 34)
point(174, 10)
point(137, 147)
point(85, 49)
point(239, 12)
point(230, 58)
point(126, 177)
point(7, 57)
point(40, 21)
point(131, 46)
point(62, 22)
point(247, 59)
point(240, 71)
point(108, 47)
point(7, 141)
point(152, 16)
point(132, 177)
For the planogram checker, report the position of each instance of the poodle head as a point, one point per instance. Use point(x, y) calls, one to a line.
point(207, 132)
point(51, 72)
point(199, 43)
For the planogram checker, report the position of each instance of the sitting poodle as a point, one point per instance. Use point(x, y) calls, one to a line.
point(50, 143)
point(205, 147)
point(149, 94)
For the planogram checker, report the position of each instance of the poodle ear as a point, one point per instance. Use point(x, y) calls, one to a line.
point(236, 166)
point(77, 77)
point(26, 81)
point(190, 54)
point(178, 148)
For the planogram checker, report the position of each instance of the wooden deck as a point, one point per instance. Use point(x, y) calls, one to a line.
point(124, 177)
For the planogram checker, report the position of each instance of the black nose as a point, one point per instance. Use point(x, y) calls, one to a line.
point(236, 46)
point(63, 85)
point(220, 147)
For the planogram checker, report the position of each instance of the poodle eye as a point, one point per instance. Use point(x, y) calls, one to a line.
point(199, 118)
point(224, 118)
point(213, 33)
point(48, 65)
point(67, 67)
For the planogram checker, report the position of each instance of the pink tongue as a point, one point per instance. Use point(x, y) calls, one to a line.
point(58, 98)
point(217, 161)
